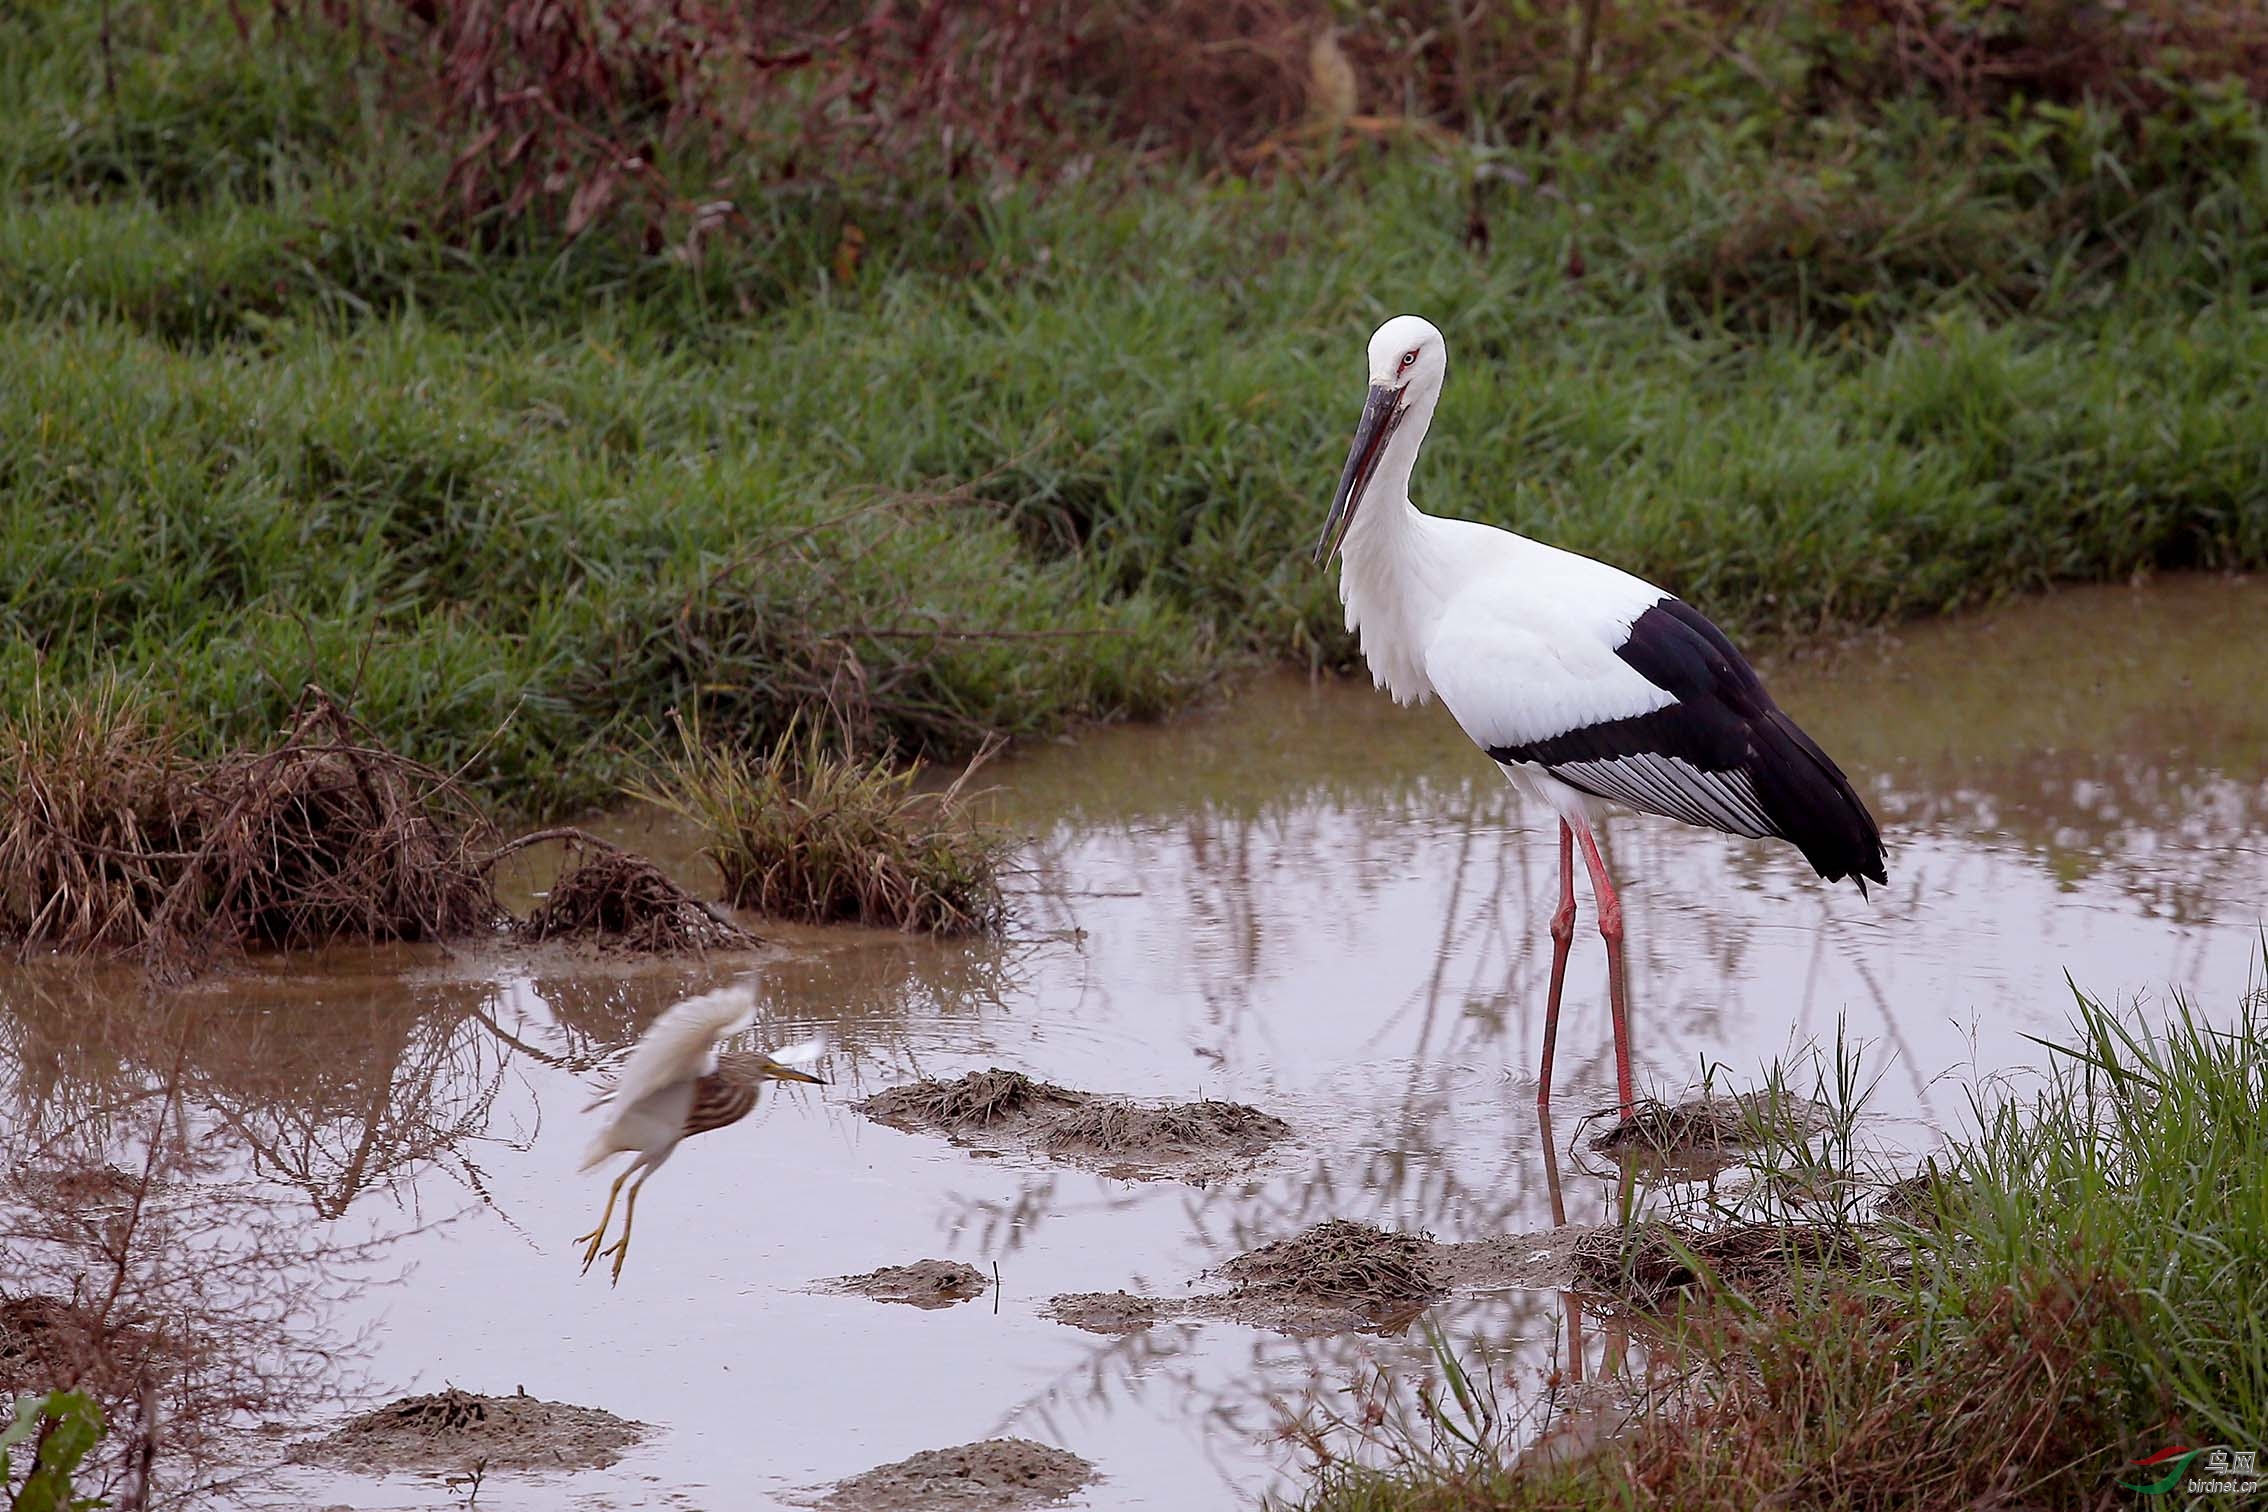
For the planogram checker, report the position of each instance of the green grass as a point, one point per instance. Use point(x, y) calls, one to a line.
point(1043, 458)
point(2086, 1283)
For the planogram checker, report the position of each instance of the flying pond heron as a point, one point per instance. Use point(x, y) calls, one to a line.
point(1583, 683)
point(676, 1084)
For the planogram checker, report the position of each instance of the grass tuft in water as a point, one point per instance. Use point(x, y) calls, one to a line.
point(809, 833)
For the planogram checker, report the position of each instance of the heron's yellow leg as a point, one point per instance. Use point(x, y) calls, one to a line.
point(620, 1248)
point(591, 1240)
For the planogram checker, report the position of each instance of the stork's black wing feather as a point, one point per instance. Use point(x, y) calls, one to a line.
point(1721, 754)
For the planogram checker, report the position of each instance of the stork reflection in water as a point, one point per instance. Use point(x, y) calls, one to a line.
point(1584, 684)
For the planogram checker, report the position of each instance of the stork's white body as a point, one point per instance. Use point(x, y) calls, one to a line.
point(1515, 637)
point(1583, 683)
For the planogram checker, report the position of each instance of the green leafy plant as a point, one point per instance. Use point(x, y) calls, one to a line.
point(61, 1429)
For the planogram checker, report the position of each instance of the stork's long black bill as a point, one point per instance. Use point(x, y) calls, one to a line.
point(1380, 415)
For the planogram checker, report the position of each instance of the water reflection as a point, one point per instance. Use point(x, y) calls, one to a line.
point(1314, 903)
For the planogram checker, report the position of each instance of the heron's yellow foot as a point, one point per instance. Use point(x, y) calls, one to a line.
point(620, 1250)
point(595, 1237)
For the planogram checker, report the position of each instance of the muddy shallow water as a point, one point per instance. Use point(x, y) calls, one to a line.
point(1309, 902)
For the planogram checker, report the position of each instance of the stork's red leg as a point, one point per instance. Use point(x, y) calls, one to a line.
point(1610, 929)
point(1562, 936)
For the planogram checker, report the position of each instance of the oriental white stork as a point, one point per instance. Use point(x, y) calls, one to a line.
point(1584, 684)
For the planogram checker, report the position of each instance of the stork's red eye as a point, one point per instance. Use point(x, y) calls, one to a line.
point(1409, 356)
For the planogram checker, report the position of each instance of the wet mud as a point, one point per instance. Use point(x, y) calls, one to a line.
point(997, 1475)
point(925, 1283)
point(1701, 1136)
point(1340, 1277)
point(1648, 1265)
point(1197, 1142)
point(465, 1432)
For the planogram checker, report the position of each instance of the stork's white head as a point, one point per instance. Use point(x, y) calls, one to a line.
point(1407, 352)
point(1408, 361)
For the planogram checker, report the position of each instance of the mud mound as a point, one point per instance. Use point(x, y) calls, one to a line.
point(1339, 1264)
point(1340, 1277)
point(1703, 1135)
point(44, 1340)
point(457, 1430)
point(1650, 1263)
point(1109, 1127)
point(925, 1283)
point(611, 898)
point(1926, 1199)
point(1195, 1142)
point(1107, 1312)
point(997, 1475)
point(979, 1101)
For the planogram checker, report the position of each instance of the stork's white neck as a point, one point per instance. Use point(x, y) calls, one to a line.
point(1395, 572)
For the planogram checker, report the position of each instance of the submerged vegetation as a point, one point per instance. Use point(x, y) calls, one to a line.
point(2085, 1283)
point(931, 375)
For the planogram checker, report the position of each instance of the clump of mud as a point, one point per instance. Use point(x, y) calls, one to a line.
point(977, 1102)
point(1648, 1264)
point(45, 1339)
point(462, 1431)
point(1382, 1277)
point(1115, 1312)
point(611, 898)
point(1196, 1141)
point(1704, 1135)
point(1338, 1277)
point(1111, 1127)
point(997, 1475)
point(1927, 1199)
point(925, 1283)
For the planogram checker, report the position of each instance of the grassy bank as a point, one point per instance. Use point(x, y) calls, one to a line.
point(929, 462)
point(2082, 1287)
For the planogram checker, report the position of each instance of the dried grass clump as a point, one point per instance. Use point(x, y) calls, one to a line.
point(113, 839)
point(1339, 1262)
point(1110, 1127)
point(1647, 1264)
point(976, 1101)
point(612, 898)
point(329, 836)
point(809, 834)
point(95, 820)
